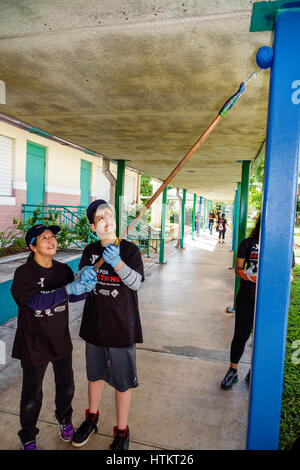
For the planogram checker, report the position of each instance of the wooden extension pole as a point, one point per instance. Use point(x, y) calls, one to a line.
point(167, 181)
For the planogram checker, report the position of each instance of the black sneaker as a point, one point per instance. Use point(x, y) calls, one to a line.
point(248, 377)
point(230, 378)
point(121, 440)
point(84, 431)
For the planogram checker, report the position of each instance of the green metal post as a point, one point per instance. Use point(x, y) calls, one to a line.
point(163, 227)
point(237, 222)
point(244, 200)
point(182, 218)
point(119, 195)
point(194, 217)
point(242, 230)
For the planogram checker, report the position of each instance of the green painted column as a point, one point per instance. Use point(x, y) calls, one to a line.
point(119, 199)
point(244, 201)
point(182, 218)
point(194, 216)
point(237, 223)
point(163, 227)
point(242, 230)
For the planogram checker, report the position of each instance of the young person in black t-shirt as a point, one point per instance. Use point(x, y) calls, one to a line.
point(111, 324)
point(42, 288)
point(247, 255)
point(218, 217)
point(211, 218)
point(222, 222)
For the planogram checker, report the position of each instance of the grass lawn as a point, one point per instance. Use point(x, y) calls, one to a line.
point(290, 411)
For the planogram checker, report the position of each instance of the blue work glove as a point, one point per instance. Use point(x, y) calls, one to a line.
point(89, 285)
point(87, 274)
point(111, 255)
point(78, 287)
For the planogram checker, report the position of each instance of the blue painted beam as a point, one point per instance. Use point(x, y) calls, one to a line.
point(277, 233)
point(199, 218)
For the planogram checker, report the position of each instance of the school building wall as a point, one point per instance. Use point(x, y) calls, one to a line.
point(62, 174)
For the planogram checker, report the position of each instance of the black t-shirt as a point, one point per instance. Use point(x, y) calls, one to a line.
point(42, 335)
point(248, 249)
point(222, 225)
point(111, 315)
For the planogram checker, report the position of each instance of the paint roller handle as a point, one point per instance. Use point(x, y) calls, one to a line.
point(232, 100)
point(101, 261)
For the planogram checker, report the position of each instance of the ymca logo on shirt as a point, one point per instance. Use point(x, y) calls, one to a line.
point(41, 283)
point(94, 258)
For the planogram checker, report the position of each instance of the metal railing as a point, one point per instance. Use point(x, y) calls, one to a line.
point(142, 235)
point(68, 216)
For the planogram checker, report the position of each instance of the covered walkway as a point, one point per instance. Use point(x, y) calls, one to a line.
point(187, 334)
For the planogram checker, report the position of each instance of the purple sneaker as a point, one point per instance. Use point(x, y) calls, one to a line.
point(29, 446)
point(66, 430)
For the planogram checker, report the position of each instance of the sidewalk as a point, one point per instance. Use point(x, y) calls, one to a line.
point(187, 335)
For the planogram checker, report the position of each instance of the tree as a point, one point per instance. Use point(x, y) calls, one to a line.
point(256, 187)
point(146, 186)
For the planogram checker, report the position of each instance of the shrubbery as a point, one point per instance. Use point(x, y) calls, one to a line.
point(12, 239)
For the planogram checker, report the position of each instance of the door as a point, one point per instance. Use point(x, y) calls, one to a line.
point(85, 178)
point(35, 173)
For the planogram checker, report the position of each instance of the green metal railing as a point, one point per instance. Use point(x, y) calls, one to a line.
point(68, 216)
point(142, 235)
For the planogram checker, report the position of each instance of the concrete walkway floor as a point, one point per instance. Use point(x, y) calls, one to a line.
point(187, 334)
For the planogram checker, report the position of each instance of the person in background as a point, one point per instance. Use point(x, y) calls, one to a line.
point(247, 256)
point(211, 219)
point(218, 216)
point(222, 228)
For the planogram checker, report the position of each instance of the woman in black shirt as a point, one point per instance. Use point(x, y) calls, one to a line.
point(211, 218)
point(222, 228)
point(247, 254)
point(245, 302)
point(42, 288)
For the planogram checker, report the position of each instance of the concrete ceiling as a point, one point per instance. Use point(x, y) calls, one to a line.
point(139, 80)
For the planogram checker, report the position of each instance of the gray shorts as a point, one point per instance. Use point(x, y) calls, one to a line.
point(116, 366)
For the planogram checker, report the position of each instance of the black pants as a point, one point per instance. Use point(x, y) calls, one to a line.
point(221, 234)
point(32, 395)
point(244, 314)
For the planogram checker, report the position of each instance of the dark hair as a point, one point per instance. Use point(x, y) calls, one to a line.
point(31, 254)
point(93, 216)
point(255, 231)
point(223, 215)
